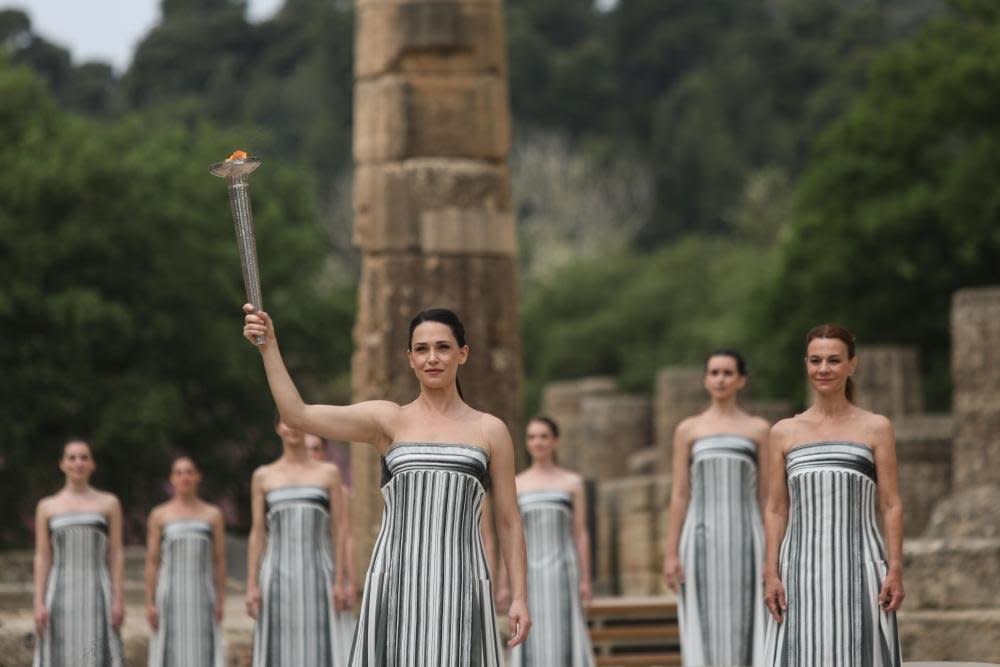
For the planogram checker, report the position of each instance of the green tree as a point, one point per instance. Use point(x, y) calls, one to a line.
point(120, 305)
point(900, 204)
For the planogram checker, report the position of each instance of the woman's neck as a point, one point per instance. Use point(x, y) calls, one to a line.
point(297, 454)
point(724, 407)
point(832, 406)
point(189, 499)
point(77, 487)
point(543, 465)
point(444, 401)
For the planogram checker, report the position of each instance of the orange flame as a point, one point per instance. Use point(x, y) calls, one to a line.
point(237, 155)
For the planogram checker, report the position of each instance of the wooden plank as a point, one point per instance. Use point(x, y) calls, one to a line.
point(625, 633)
point(640, 660)
point(632, 606)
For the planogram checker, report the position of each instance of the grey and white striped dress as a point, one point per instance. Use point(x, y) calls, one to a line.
point(427, 600)
point(559, 634)
point(298, 625)
point(832, 563)
point(721, 603)
point(188, 635)
point(78, 596)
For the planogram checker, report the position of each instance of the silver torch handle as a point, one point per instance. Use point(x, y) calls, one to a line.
point(237, 175)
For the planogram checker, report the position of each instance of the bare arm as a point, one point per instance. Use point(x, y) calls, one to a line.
point(763, 469)
point(256, 542)
point(154, 533)
point(116, 563)
point(582, 538)
point(775, 518)
point(219, 562)
point(349, 571)
point(891, 506)
point(488, 532)
point(336, 491)
point(370, 421)
point(680, 497)
point(509, 528)
point(42, 564)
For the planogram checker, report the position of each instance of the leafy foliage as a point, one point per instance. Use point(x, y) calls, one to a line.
point(120, 306)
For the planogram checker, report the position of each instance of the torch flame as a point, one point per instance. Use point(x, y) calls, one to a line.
point(237, 155)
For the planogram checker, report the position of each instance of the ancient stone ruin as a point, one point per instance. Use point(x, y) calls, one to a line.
point(949, 467)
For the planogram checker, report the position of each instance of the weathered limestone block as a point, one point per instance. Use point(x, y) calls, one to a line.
point(402, 206)
point(612, 426)
point(888, 380)
point(975, 368)
point(398, 117)
point(430, 36)
point(970, 512)
point(633, 535)
point(562, 402)
point(680, 393)
point(923, 451)
point(969, 634)
point(956, 573)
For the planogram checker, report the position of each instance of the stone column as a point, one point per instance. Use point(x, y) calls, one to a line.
point(612, 427)
point(888, 380)
point(975, 368)
point(432, 207)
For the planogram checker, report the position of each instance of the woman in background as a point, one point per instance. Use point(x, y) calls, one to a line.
point(185, 575)
point(831, 585)
point(79, 569)
point(554, 511)
point(714, 563)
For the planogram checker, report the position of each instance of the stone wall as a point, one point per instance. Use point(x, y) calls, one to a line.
point(887, 380)
point(432, 208)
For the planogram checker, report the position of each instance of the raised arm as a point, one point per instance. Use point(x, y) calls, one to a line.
point(509, 528)
point(582, 538)
point(887, 469)
point(219, 562)
point(256, 541)
point(680, 496)
point(776, 518)
point(154, 534)
point(42, 565)
point(370, 421)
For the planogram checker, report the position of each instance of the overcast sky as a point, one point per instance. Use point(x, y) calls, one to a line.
point(105, 30)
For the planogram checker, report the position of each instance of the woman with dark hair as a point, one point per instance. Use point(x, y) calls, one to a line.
point(715, 536)
point(185, 575)
point(427, 598)
point(79, 569)
point(554, 510)
point(294, 590)
point(830, 585)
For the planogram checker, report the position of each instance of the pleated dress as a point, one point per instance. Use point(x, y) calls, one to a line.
point(721, 602)
point(298, 625)
point(78, 596)
point(188, 635)
point(832, 564)
point(559, 633)
point(427, 599)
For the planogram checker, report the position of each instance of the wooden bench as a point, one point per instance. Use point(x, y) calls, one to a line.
point(634, 631)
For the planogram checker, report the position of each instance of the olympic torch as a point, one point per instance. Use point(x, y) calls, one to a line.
point(236, 170)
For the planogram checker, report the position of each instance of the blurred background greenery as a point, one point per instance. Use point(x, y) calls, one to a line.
point(686, 175)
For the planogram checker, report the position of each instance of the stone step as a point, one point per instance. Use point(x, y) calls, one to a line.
point(955, 573)
point(971, 635)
